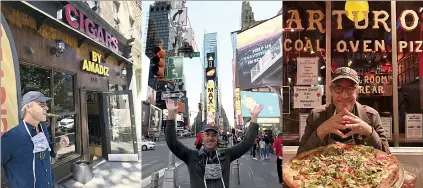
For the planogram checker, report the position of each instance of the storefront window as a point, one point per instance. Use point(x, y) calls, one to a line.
point(38, 79)
point(63, 93)
point(66, 127)
point(64, 104)
point(35, 79)
point(366, 49)
point(410, 72)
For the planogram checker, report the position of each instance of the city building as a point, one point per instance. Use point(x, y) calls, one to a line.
point(86, 69)
point(210, 45)
point(160, 31)
point(247, 16)
point(245, 61)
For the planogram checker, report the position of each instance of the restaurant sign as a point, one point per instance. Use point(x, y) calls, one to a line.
point(95, 65)
point(376, 84)
point(78, 20)
point(380, 17)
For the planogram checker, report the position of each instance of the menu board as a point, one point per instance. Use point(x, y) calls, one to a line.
point(303, 123)
point(387, 126)
point(307, 71)
point(413, 127)
point(307, 97)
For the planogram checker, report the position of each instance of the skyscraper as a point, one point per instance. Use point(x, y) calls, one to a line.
point(158, 27)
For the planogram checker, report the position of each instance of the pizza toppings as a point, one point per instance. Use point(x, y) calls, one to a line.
point(346, 166)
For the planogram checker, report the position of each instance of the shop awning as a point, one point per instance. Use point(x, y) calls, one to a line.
point(44, 18)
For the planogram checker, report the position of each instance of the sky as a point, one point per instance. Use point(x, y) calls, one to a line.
point(222, 17)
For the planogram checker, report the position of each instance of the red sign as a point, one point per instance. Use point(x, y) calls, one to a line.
point(87, 25)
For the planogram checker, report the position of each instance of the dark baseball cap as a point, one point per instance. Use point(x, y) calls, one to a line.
point(33, 96)
point(207, 127)
point(347, 73)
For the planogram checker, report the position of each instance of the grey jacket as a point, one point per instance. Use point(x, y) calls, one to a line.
point(196, 160)
point(322, 113)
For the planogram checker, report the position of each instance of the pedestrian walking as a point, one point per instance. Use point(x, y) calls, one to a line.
point(278, 149)
point(262, 149)
point(27, 149)
point(199, 142)
point(208, 167)
point(255, 146)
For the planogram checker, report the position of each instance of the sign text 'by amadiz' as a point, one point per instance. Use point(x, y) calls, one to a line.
point(95, 66)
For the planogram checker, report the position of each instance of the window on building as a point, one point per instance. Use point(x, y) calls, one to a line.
point(168, 7)
point(62, 93)
point(152, 10)
point(163, 8)
point(157, 8)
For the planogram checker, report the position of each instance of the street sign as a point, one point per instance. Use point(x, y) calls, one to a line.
point(179, 16)
point(175, 68)
point(173, 94)
point(193, 54)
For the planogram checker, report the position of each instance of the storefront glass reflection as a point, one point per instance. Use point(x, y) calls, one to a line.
point(63, 93)
point(65, 126)
point(120, 125)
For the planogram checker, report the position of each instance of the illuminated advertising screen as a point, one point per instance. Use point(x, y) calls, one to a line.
point(253, 44)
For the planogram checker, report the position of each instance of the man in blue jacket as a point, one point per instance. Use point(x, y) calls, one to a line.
point(26, 149)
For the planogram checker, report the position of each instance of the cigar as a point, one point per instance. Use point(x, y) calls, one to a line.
point(52, 115)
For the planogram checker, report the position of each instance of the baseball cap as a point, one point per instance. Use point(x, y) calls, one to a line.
point(33, 96)
point(347, 73)
point(207, 127)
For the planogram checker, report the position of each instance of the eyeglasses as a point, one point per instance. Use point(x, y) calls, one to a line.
point(340, 90)
point(42, 104)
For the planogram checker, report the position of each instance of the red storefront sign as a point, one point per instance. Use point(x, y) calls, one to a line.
point(88, 26)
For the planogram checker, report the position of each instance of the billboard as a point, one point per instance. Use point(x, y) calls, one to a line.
point(210, 73)
point(10, 92)
point(210, 101)
point(253, 44)
point(237, 102)
point(210, 96)
point(270, 101)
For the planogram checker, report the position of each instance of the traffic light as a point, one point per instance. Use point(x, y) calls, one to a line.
point(157, 63)
point(200, 106)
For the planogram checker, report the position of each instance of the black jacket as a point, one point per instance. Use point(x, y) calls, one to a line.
point(196, 160)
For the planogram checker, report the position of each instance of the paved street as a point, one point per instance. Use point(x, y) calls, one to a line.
point(157, 160)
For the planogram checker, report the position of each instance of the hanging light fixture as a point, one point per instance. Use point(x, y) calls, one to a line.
point(359, 6)
point(59, 48)
point(123, 72)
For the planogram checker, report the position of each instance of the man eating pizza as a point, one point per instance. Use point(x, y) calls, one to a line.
point(344, 120)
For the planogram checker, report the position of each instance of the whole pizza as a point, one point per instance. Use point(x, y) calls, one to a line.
point(341, 165)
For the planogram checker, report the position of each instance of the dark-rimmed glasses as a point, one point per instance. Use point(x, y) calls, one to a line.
point(340, 90)
point(42, 104)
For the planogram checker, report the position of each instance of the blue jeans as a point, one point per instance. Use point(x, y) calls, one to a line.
point(262, 152)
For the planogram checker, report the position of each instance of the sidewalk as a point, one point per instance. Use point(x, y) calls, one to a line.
point(111, 174)
point(253, 174)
